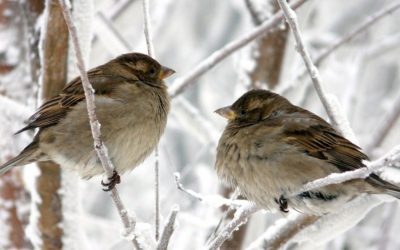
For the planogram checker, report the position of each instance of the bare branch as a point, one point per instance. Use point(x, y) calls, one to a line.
point(389, 160)
point(100, 147)
point(168, 230)
point(240, 218)
point(186, 81)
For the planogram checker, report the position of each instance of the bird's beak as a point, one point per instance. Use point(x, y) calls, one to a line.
point(226, 112)
point(166, 72)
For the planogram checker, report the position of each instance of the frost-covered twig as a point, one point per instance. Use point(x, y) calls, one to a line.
point(214, 200)
point(150, 51)
point(389, 160)
point(241, 216)
point(147, 28)
point(101, 150)
point(184, 82)
point(383, 130)
point(168, 229)
point(362, 27)
point(281, 232)
point(366, 24)
point(291, 18)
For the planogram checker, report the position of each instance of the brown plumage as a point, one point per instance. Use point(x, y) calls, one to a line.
point(132, 104)
point(271, 148)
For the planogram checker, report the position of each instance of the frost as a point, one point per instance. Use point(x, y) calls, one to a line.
point(343, 123)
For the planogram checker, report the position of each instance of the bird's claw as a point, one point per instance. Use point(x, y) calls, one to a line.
point(112, 182)
point(283, 204)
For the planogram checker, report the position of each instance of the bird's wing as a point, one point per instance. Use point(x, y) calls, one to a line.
point(317, 139)
point(52, 111)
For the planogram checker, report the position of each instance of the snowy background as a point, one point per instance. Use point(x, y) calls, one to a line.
point(364, 75)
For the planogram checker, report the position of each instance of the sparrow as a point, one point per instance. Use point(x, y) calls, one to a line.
point(270, 148)
point(132, 105)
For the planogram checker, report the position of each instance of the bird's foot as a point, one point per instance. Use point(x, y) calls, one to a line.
point(112, 182)
point(283, 204)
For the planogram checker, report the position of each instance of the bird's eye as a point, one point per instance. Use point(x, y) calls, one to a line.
point(274, 114)
point(152, 71)
point(242, 112)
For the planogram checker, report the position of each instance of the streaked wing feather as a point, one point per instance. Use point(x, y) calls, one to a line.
point(52, 111)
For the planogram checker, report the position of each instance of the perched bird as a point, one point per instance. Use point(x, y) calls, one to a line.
point(132, 105)
point(270, 148)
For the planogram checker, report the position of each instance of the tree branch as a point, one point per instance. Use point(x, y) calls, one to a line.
point(389, 160)
point(241, 216)
point(369, 21)
point(128, 221)
point(168, 230)
point(291, 18)
point(181, 84)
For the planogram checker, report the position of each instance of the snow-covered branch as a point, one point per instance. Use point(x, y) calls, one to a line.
point(101, 149)
point(189, 79)
point(282, 231)
point(291, 18)
point(392, 159)
point(213, 200)
point(359, 29)
point(241, 216)
point(168, 229)
point(147, 28)
point(370, 20)
point(385, 127)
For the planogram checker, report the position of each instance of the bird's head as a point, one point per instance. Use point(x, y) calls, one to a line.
point(144, 68)
point(254, 106)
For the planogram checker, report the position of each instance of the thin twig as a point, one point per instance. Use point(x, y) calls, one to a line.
point(100, 147)
point(150, 50)
point(291, 18)
point(181, 84)
point(382, 131)
point(389, 160)
point(168, 230)
point(216, 200)
point(241, 216)
point(282, 231)
point(147, 28)
point(365, 25)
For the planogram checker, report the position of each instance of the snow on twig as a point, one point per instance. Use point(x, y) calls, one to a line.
point(147, 28)
point(282, 231)
point(386, 126)
point(150, 50)
point(101, 149)
point(213, 200)
point(168, 229)
point(389, 160)
point(366, 24)
point(241, 216)
point(291, 18)
point(186, 81)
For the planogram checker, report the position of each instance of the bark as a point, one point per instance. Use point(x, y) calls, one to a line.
point(269, 51)
point(55, 51)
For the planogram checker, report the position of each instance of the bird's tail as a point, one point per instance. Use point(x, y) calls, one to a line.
point(387, 187)
point(28, 155)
